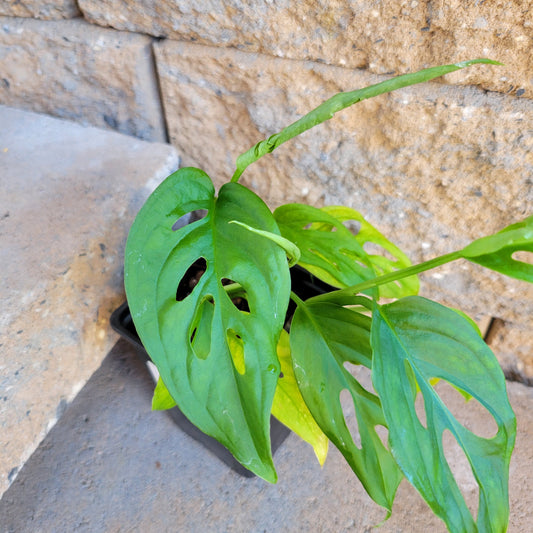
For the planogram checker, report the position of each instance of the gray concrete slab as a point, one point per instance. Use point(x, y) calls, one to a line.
point(68, 197)
point(113, 465)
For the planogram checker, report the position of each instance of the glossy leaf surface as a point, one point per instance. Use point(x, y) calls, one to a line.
point(324, 336)
point(496, 251)
point(192, 338)
point(328, 249)
point(289, 406)
point(368, 234)
point(415, 340)
point(336, 255)
point(292, 251)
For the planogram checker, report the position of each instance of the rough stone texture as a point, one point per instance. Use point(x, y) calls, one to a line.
point(69, 195)
point(47, 10)
point(81, 72)
point(117, 466)
point(383, 37)
point(432, 166)
point(512, 344)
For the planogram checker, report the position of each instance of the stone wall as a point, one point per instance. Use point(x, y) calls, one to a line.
point(433, 166)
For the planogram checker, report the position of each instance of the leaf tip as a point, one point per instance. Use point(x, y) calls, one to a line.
point(482, 61)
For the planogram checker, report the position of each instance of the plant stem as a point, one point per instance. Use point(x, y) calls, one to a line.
point(395, 276)
point(340, 101)
point(234, 290)
point(298, 301)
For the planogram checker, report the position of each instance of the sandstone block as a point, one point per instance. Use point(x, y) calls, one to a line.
point(512, 343)
point(69, 195)
point(82, 73)
point(383, 37)
point(495, 29)
point(432, 166)
point(47, 10)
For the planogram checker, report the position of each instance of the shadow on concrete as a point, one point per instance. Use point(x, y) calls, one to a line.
point(111, 464)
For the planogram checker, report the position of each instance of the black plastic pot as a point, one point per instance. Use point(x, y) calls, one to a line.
point(305, 286)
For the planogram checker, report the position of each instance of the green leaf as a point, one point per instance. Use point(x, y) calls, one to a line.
point(496, 251)
point(292, 251)
point(340, 101)
point(469, 319)
point(192, 341)
point(413, 341)
point(323, 337)
point(162, 400)
point(289, 406)
point(328, 249)
point(382, 265)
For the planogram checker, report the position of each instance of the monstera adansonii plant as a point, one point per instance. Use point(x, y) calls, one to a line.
point(229, 367)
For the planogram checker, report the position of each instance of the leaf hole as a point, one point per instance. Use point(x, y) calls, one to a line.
point(200, 331)
point(188, 218)
point(420, 410)
point(371, 248)
point(417, 396)
point(239, 299)
point(362, 374)
point(383, 434)
point(236, 348)
point(470, 414)
point(241, 304)
point(190, 279)
point(523, 256)
point(353, 226)
point(350, 419)
point(461, 470)
point(319, 226)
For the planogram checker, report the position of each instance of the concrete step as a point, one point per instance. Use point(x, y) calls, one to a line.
point(111, 464)
point(68, 196)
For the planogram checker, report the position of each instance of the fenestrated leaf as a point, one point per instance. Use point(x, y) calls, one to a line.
point(496, 251)
point(323, 337)
point(189, 340)
point(289, 406)
point(413, 341)
point(328, 249)
point(382, 265)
